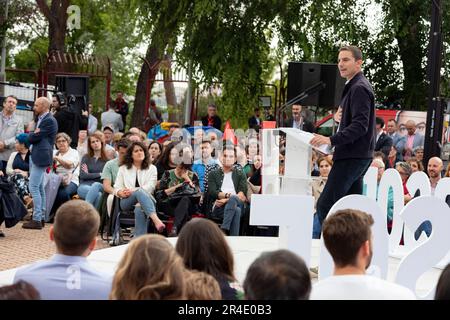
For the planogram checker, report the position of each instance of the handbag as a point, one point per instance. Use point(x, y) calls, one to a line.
point(185, 190)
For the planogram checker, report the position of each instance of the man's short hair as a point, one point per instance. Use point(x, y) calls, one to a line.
point(12, 96)
point(356, 52)
point(278, 275)
point(344, 233)
point(379, 121)
point(123, 143)
point(393, 120)
point(76, 225)
point(212, 105)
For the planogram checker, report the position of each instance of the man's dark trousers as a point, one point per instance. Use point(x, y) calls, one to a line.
point(346, 177)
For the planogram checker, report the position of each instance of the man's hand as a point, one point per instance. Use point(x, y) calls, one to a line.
point(85, 113)
point(242, 197)
point(338, 115)
point(319, 140)
point(221, 202)
point(37, 130)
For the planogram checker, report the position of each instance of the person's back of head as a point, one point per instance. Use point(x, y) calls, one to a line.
point(344, 233)
point(277, 275)
point(203, 247)
point(149, 270)
point(443, 285)
point(202, 286)
point(21, 290)
point(75, 228)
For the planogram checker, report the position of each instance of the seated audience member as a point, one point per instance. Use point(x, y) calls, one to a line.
point(203, 247)
point(241, 159)
point(68, 275)
point(324, 164)
point(108, 177)
point(277, 275)
point(201, 286)
point(392, 158)
point(149, 270)
point(166, 161)
point(82, 147)
point(178, 193)
point(66, 163)
point(227, 186)
point(155, 150)
point(405, 171)
point(251, 151)
point(19, 291)
point(447, 171)
point(347, 236)
point(135, 183)
point(378, 163)
point(18, 168)
point(200, 165)
point(415, 164)
point(443, 285)
point(109, 136)
point(92, 164)
point(418, 153)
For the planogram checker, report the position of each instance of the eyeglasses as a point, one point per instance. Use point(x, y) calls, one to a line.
point(61, 141)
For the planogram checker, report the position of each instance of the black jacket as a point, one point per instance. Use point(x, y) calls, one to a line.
point(217, 122)
point(71, 121)
point(307, 126)
point(12, 209)
point(355, 138)
point(384, 144)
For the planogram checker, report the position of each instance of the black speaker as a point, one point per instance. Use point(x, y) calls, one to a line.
point(302, 75)
point(76, 86)
point(330, 96)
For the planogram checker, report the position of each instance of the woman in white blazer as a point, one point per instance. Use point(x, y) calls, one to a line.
point(134, 184)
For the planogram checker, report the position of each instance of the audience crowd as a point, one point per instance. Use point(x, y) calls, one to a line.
point(168, 182)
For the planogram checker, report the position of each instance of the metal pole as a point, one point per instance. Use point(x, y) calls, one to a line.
point(3, 62)
point(187, 105)
point(435, 114)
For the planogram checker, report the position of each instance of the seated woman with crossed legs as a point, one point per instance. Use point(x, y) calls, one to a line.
point(134, 184)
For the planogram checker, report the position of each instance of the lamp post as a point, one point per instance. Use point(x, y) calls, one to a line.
point(3, 62)
point(436, 105)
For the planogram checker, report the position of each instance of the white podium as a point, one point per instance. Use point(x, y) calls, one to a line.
point(297, 168)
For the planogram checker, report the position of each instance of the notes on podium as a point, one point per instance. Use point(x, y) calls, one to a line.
point(306, 137)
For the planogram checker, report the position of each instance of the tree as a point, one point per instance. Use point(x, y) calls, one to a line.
point(56, 15)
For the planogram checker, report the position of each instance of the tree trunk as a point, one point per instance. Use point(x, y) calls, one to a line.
point(153, 56)
point(171, 99)
point(57, 22)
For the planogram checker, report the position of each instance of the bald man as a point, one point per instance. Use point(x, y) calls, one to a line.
point(42, 141)
point(413, 140)
point(434, 169)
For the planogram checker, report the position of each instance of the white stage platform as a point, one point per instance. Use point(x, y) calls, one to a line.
point(245, 250)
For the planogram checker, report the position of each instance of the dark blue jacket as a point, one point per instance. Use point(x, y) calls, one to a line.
point(356, 136)
point(42, 143)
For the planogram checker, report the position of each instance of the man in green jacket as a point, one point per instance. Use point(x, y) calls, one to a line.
point(227, 186)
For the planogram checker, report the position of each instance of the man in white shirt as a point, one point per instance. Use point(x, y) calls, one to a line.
point(68, 275)
point(348, 238)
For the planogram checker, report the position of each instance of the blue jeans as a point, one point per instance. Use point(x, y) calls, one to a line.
point(64, 194)
point(231, 213)
point(345, 178)
point(92, 194)
point(36, 186)
point(142, 213)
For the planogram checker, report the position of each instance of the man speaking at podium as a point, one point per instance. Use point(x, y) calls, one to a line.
point(354, 141)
